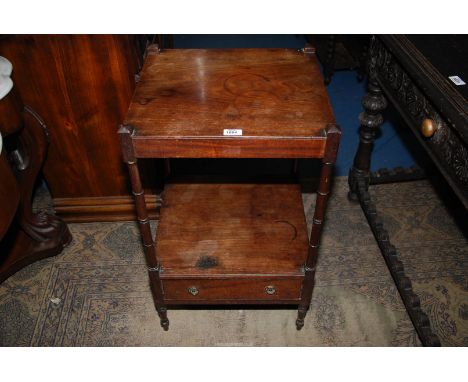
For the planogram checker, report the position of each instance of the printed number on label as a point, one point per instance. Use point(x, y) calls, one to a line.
point(232, 132)
point(457, 80)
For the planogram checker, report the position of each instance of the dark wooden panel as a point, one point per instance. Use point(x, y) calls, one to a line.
point(9, 195)
point(421, 94)
point(232, 229)
point(81, 85)
point(10, 112)
point(30, 236)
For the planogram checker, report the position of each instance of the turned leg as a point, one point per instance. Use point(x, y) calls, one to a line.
point(374, 103)
point(333, 140)
point(152, 262)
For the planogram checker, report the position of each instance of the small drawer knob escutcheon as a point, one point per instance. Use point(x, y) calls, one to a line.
point(193, 290)
point(270, 289)
point(428, 127)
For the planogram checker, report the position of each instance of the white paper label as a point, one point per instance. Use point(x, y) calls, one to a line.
point(457, 80)
point(232, 132)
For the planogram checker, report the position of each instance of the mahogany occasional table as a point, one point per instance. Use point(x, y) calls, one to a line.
point(231, 243)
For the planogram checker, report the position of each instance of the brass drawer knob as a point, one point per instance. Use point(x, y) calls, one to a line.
point(428, 127)
point(193, 290)
point(270, 289)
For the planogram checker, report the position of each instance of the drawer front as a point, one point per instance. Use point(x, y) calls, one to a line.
point(241, 289)
point(443, 143)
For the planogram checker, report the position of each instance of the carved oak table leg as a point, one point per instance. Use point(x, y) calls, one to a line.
point(32, 236)
point(370, 120)
point(333, 139)
point(359, 179)
point(152, 262)
point(403, 283)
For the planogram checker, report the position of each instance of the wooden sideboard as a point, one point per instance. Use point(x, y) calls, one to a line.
point(81, 85)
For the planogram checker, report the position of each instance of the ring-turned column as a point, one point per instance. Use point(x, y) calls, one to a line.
point(125, 133)
point(333, 139)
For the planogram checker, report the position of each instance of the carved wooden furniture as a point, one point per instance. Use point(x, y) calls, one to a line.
point(413, 72)
point(81, 86)
point(25, 236)
point(341, 52)
point(230, 243)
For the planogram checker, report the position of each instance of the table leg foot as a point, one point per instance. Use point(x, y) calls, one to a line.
point(299, 324)
point(162, 312)
point(352, 197)
point(165, 324)
point(301, 313)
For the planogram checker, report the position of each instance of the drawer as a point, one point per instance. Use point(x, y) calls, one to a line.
point(239, 290)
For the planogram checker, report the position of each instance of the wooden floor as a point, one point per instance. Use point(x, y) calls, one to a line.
point(225, 230)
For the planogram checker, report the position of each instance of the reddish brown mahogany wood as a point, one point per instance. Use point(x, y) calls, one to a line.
point(229, 148)
point(242, 290)
point(32, 236)
point(10, 111)
point(9, 195)
point(152, 262)
point(333, 140)
point(231, 242)
point(187, 98)
point(231, 230)
point(81, 86)
point(103, 208)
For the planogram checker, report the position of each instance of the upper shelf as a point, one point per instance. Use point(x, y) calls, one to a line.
point(261, 94)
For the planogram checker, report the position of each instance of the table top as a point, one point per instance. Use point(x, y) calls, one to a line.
point(254, 93)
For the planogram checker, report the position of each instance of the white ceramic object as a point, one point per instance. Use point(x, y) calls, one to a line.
point(5, 72)
point(5, 83)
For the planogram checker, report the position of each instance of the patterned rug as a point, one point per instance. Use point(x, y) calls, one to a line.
point(96, 292)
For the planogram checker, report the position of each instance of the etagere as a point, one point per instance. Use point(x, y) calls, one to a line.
point(231, 243)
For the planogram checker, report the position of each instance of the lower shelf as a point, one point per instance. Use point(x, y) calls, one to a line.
point(232, 242)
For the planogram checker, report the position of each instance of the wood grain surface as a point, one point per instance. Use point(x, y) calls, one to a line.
point(81, 85)
point(187, 98)
point(241, 289)
point(216, 230)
